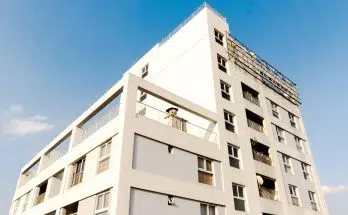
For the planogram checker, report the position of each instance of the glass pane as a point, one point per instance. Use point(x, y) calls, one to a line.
point(239, 204)
point(108, 147)
point(211, 210)
point(208, 165)
point(235, 152)
point(106, 200)
point(201, 163)
point(229, 150)
point(102, 151)
point(203, 209)
point(241, 191)
point(234, 162)
point(99, 202)
point(235, 191)
point(103, 165)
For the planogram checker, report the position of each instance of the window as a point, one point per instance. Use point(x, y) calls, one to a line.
point(222, 63)
point(102, 204)
point(233, 152)
point(25, 203)
point(104, 157)
point(280, 134)
point(171, 200)
point(306, 171)
point(287, 163)
point(219, 37)
point(78, 168)
point(312, 198)
point(239, 197)
point(205, 171)
point(143, 96)
point(145, 71)
point(292, 120)
point(229, 125)
point(207, 209)
point(275, 109)
point(298, 143)
point(294, 196)
point(225, 90)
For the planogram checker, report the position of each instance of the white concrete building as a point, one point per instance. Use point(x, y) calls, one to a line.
point(199, 125)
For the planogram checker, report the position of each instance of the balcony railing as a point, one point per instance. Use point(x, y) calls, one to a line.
point(98, 123)
point(295, 201)
point(27, 176)
point(40, 198)
point(175, 122)
point(76, 179)
point(268, 193)
point(262, 157)
point(255, 126)
point(250, 97)
point(51, 158)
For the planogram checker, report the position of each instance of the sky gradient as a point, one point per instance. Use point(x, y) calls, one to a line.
point(58, 57)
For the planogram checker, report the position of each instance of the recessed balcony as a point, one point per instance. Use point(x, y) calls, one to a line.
point(267, 187)
point(261, 152)
point(254, 121)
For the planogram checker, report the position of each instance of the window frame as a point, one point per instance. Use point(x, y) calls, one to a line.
point(205, 169)
point(229, 119)
point(225, 90)
point(292, 119)
point(243, 198)
point(145, 70)
point(222, 63)
point(104, 208)
point(306, 171)
point(280, 134)
point(298, 142)
point(104, 157)
point(142, 96)
point(286, 160)
point(217, 35)
point(229, 145)
point(293, 191)
point(275, 109)
point(313, 200)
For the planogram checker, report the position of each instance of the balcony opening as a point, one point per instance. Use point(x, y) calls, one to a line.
point(70, 209)
point(41, 193)
point(51, 213)
point(254, 121)
point(30, 173)
point(250, 94)
point(56, 152)
point(105, 113)
point(77, 174)
point(176, 116)
point(261, 152)
point(267, 187)
point(56, 183)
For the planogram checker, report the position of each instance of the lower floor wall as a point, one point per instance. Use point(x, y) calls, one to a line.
point(144, 202)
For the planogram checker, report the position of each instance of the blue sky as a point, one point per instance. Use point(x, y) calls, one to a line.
point(58, 57)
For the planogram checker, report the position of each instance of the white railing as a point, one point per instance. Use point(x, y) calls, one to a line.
point(52, 157)
point(98, 123)
point(176, 122)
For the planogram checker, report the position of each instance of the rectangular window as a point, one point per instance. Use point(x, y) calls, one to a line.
point(207, 209)
point(104, 157)
point(102, 203)
point(219, 37)
point(292, 120)
point(239, 197)
point(233, 152)
point(225, 90)
point(78, 169)
point(287, 163)
point(222, 63)
point(205, 171)
point(229, 124)
point(306, 171)
point(275, 111)
point(280, 134)
point(313, 200)
point(294, 195)
point(298, 143)
point(145, 71)
point(142, 96)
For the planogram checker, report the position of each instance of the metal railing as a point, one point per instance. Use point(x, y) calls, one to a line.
point(255, 126)
point(262, 157)
point(98, 123)
point(295, 201)
point(268, 193)
point(40, 198)
point(250, 97)
point(175, 122)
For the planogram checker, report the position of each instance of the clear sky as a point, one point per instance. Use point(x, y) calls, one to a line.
point(58, 57)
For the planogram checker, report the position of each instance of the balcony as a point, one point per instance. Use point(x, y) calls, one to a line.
point(262, 158)
point(40, 198)
point(97, 122)
point(268, 193)
point(250, 94)
point(171, 119)
point(254, 121)
point(314, 206)
point(261, 152)
point(42, 192)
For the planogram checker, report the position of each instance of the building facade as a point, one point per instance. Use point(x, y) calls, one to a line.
point(199, 125)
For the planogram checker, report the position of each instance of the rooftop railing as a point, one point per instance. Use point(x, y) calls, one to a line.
point(51, 158)
point(98, 123)
point(175, 122)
